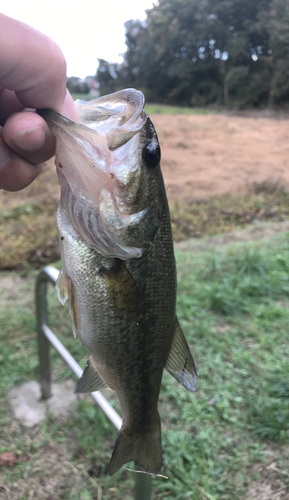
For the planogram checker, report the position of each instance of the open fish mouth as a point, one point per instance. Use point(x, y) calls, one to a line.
point(95, 157)
point(118, 116)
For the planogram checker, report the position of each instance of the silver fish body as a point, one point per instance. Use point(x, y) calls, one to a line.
point(118, 265)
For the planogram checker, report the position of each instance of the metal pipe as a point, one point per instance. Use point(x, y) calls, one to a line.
point(45, 337)
point(97, 396)
point(49, 274)
point(143, 486)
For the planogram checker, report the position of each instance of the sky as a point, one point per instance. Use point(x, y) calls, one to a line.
point(85, 30)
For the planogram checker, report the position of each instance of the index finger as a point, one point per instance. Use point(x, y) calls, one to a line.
point(32, 65)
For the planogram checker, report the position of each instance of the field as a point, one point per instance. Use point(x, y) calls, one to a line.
point(221, 172)
point(229, 440)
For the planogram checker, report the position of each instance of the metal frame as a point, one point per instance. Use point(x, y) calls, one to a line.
point(45, 338)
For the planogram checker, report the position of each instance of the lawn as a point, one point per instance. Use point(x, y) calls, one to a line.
point(161, 109)
point(229, 440)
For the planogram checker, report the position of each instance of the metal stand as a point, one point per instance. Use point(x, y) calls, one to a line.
point(143, 486)
point(47, 337)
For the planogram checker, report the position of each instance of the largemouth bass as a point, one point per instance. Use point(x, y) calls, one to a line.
point(118, 265)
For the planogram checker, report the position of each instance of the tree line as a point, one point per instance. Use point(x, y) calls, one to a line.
point(206, 52)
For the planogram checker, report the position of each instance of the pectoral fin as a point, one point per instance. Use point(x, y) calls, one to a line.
point(180, 363)
point(121, 288)
point(66, 290)
point(61, 288)
point(90, 380)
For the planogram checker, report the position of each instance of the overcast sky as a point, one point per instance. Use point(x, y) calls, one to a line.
point(84, 29)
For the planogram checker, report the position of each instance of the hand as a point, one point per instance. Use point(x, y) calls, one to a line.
point(32, 75)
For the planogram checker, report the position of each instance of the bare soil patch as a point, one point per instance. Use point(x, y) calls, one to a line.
point(221, 172)
point(206, 156)
point(202, 156)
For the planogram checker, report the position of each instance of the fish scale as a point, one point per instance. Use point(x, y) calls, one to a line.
point(118, 267)
point(135, 341)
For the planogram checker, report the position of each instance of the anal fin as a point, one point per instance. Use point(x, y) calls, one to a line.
point(90, 380)
point(180, 363)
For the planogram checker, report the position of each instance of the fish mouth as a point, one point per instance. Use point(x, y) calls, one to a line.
point(120, 116)
point(93, 157)
point(116, 117)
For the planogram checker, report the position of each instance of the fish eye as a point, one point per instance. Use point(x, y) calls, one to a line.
point(151, 154)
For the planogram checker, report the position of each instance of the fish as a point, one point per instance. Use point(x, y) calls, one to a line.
point(118, 266)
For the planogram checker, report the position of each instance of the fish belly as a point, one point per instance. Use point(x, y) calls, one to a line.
point(124, 315)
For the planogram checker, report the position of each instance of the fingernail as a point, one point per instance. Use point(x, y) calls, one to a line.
point(31, 140)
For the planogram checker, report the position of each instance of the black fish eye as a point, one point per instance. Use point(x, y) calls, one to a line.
point(151, 154)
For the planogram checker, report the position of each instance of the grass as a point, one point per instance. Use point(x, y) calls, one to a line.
point(28, 232)
point(160, 109)
point(264, 201)
point(228, 440)
point(28, 236)
point(163, 109)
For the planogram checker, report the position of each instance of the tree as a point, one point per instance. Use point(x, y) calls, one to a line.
point(198, 51)
point(203, 52)
point(276, 21)
point(77, 86)
point(108, 77)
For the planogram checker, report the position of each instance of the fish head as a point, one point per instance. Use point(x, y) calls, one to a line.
point(108, 164)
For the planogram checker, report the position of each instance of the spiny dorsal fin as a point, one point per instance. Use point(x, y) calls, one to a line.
point(62, 288)
point(90, 380)
point(180, 363)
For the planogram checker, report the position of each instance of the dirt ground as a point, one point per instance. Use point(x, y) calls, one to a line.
point(209, 155)
point(204, 156)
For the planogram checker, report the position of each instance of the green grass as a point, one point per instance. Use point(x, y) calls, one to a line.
point(28, 235)
point(83, 97)
point(264, 201)
point(163, 109)
point(218, 443)
point(160, 109)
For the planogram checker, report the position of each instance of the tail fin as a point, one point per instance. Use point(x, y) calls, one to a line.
point(144, 449)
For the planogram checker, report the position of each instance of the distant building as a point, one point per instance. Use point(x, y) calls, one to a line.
point(87, 85)
point(93, 85)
